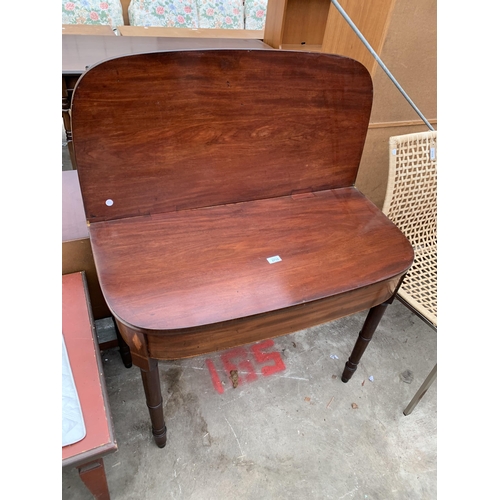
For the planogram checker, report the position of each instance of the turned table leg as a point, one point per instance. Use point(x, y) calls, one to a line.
point(154, 400)
point(372, 320)
point(93, 476)
point(137, 346)
point(365, 335)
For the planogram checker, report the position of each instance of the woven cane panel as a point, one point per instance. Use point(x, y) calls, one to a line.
point(411, 203)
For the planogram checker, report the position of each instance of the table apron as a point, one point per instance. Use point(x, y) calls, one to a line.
point(210, 338)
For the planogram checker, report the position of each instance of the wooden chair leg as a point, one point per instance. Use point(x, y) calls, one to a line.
point(154, 400)
point(93, 476)
point(372, 320)
point(421, 392)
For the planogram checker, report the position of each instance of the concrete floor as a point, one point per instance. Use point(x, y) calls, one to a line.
point(295, 433)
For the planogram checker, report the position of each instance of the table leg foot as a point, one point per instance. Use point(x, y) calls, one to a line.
point(160, 437)
point(93, 476)
point(372, 320)
point(154, 401)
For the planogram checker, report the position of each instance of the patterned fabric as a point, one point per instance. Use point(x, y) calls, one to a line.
point(92, 12)
point(222, 14)
point(166, 13)
point(255, 14)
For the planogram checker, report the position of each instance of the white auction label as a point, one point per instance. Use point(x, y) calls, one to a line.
point(274, 259)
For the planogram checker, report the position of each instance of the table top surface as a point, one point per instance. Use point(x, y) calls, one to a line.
point(191, 268)
point(82, 51)
point(87, 373)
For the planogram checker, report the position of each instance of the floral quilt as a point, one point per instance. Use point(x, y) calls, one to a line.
point(92, 12)
point(166, 13)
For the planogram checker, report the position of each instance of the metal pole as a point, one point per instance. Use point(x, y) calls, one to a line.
point(343, 13)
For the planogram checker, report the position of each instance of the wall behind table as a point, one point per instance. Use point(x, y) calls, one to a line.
point(410, 53)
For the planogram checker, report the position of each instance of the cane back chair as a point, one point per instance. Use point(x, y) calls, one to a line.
point(411, 203)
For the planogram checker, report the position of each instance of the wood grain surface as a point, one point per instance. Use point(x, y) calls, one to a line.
point(196, 267)
point(172, 131)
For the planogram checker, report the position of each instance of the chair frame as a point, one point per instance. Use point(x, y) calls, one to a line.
point(412, 180)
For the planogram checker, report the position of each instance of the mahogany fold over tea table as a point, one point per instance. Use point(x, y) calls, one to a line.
point(218, 187)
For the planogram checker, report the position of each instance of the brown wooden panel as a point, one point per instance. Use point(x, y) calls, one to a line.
point(275, 22)
point(371, 18)
point(176, 130)
point(305, 22)
point(203, 340)
point(410, 52)
point(197, 267)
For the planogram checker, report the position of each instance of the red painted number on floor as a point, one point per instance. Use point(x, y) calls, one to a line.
point(243, 365)
point(263, 357)
point(240, 358)
point(215, 377)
